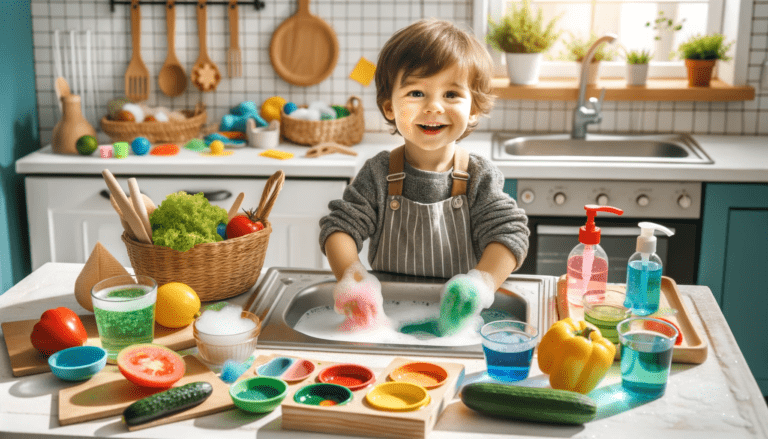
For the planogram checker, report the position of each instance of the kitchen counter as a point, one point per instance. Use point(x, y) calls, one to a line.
point(716, 399)
point(736, 159)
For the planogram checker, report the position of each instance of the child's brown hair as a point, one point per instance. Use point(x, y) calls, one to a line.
point(424, 49)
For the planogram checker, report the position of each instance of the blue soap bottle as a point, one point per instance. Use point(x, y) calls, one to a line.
point(644, 272)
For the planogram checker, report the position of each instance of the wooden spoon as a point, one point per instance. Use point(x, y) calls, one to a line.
point(137, 75)
point(205, 74)
point(172, 78)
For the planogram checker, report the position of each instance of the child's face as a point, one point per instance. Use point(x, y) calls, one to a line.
point(431, 113)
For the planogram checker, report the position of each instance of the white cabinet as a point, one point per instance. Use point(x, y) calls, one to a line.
point(68, 215)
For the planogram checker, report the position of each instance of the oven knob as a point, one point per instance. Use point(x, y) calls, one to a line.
point(527, 196)
point(602, 200)
point(559, 198)
point(684, 201)
point(643, 200)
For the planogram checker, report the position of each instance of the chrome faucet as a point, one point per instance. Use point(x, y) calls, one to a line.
point(583, 115)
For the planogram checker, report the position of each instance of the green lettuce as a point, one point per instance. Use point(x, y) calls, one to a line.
point(183, 221)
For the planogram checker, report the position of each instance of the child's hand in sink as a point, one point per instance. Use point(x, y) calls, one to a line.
point(464, 296)
point(358, 297)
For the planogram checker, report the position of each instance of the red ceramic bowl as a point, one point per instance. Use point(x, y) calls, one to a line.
point(351, 376)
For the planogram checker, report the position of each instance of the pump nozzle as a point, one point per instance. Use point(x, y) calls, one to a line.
point(588, 233)
point(646, 242)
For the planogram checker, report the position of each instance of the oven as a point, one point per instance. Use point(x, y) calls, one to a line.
point(555, 209)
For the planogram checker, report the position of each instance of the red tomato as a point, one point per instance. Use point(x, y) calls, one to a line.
point(151, 365)
point(242, 225)
point(59, 328)
point(653, 326)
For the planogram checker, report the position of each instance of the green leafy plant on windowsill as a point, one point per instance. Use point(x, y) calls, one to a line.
point(519, 31)
point(576, 49)
point(705, 47)
point(642, 56)
point(664, 24)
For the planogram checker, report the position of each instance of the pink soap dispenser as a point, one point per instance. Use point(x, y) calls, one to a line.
point(588, 262)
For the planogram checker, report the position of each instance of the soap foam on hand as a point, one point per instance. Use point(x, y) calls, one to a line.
point(358, 297)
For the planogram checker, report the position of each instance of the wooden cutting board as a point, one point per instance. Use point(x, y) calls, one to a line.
point(108, 393)
point(26, 360)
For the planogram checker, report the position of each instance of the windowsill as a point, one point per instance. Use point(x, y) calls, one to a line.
point(659, 89)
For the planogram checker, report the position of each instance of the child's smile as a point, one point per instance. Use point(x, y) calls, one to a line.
point(432, 112)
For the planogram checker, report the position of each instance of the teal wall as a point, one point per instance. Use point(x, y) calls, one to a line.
point(18, 136)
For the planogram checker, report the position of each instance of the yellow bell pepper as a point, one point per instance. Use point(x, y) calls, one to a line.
point(575, 355)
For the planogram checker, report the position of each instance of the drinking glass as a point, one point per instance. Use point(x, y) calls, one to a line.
point(646, 355)
point(508, 346)
point(605, 310)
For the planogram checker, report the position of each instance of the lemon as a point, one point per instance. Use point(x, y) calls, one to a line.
point(177, 305)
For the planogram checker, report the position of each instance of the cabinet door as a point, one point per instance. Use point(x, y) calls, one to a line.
point(67, 216)
point(734, 265)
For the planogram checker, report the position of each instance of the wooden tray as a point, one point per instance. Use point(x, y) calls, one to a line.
point(359, 418)
point(108, 393)
point(694, 346)
point(26, 360)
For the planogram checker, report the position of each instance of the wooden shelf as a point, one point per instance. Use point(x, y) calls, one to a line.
point(663, 89)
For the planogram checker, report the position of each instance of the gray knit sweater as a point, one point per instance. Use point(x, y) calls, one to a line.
point(494, 215)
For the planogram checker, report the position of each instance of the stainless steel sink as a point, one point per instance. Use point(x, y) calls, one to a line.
point(286, 294)
point(660, 148)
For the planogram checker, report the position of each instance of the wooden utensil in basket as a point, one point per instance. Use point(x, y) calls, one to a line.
point(215, 270)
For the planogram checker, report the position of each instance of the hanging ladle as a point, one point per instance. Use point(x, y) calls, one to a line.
point(205, 74)
point(172, 78)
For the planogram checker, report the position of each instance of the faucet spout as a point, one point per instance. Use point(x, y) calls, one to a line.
point(582, 115)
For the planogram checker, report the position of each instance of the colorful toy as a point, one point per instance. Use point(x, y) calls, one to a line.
point(363, 72)
point(270, 109)
point(140, 145)
point(289, 108)
point(217, 149)
point(120, 149)
point(195, 145)
point(105, 151)
point(87, 144)
point(167, 149)
point(233, 122)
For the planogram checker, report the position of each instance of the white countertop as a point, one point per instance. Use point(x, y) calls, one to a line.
point(736, 159)
point(716, 399)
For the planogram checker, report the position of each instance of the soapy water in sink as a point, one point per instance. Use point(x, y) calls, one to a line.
point(411, 323)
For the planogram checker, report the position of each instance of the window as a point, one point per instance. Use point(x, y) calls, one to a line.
point(625, 18)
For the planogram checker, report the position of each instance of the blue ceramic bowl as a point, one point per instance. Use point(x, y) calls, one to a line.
point(79, 363)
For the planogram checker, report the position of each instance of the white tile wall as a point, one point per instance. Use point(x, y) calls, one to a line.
point(362, 26)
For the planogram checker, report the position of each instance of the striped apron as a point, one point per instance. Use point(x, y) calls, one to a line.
point(426, 239)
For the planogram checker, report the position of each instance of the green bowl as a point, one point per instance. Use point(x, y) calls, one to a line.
point(258, 394)
point(323, 394)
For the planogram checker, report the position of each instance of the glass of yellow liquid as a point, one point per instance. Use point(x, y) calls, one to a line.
point(605, 310)
point(124, 307)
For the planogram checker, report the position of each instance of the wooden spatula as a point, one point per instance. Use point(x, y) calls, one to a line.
point(234, 58)
point(137, 75)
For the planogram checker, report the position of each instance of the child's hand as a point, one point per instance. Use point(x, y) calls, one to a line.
point(358, 296)
point(464, 296)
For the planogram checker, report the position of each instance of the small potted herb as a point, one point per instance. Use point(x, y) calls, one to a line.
point(665, 28)
point(523, 38)
point(637, 66)
point(577, 48)
point(701, 53)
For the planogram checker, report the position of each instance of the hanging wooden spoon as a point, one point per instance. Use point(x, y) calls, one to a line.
point(172, 78)
point(205, 74)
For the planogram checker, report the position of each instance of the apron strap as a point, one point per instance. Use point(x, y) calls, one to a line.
point(397, 174)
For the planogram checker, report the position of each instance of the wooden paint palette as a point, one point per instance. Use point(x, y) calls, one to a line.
point(358, 417)
point(693, 348)
point(26, 360)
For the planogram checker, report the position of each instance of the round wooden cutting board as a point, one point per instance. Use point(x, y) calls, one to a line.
point(304, 48)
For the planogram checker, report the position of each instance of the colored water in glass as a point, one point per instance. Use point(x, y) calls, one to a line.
point(597, 281)
point(606, 318)
point(125, 315)
point(645, 362)
point(641, 300)
point(504, 360)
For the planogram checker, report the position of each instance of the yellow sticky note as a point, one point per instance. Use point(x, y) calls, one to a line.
point(363, 71)
point(275, 154)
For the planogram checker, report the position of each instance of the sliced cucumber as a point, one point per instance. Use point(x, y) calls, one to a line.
point(166, 403)
point(529, 404)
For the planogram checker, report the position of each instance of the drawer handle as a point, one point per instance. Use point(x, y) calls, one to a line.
point(219, 195)
point(105, 193)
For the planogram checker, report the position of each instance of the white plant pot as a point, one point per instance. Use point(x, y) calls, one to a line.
point(637, 74)
point(524, 68)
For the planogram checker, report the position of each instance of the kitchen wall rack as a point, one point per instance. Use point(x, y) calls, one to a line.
point(258, 4)
point(616, 89)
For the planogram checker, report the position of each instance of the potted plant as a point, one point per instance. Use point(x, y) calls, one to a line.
point(664, 27)
point(577, 48)
point(523, 38)
point(637, 66)
point(700, 53)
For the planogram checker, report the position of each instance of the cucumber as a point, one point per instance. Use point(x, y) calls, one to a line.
point(166, 403)
point(549, 406)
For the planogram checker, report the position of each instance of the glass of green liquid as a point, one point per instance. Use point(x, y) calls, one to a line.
point(646, 355)
point(125, 312)
point(605, 310)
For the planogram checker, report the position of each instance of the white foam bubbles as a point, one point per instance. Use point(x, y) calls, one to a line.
point(226, 321)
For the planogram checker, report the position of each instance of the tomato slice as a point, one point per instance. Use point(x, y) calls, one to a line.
point(653, 326)
point(150, 365)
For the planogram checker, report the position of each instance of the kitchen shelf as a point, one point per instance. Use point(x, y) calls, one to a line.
point(662, 89)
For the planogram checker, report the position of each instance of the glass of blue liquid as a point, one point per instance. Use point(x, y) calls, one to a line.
point(508, 346)
point(646, 355)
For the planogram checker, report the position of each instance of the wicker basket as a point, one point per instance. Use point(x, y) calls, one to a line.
point(157, 132)
point(216, 270)
point(347, 130)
